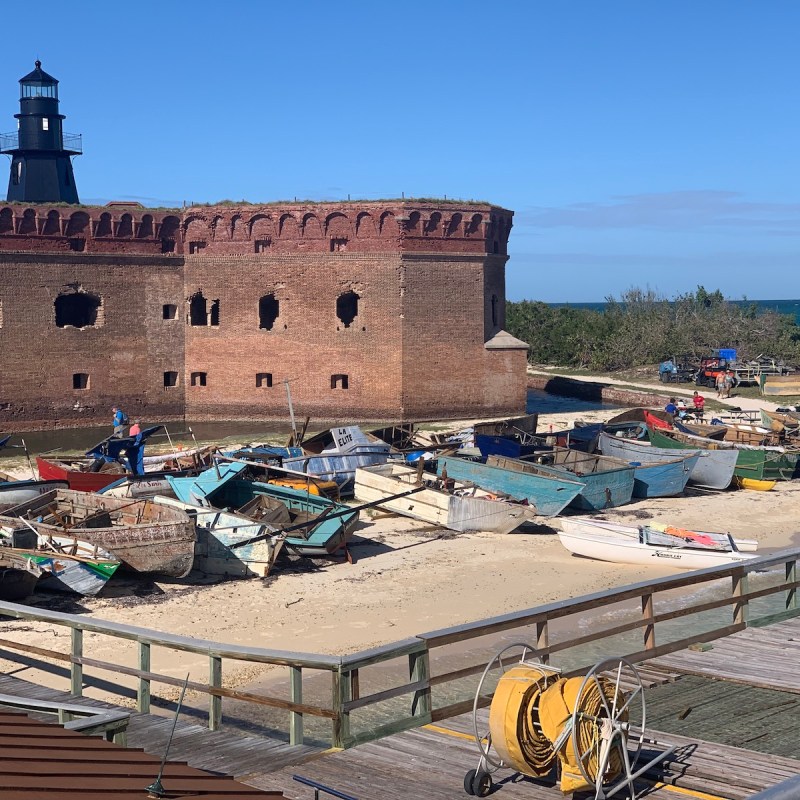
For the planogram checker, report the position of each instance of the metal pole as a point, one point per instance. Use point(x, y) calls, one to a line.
point(291, 410)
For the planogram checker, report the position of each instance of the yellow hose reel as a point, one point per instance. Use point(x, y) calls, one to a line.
point(588, 730)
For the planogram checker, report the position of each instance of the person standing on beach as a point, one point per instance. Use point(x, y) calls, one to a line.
point(120, 421)
point(730, 381)
point(699, 403)
point(720, 382)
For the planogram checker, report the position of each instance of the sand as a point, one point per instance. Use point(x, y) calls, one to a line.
point(406, 578)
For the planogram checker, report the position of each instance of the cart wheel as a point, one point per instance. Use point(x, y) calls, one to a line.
point(482, 784)
point(468, 779)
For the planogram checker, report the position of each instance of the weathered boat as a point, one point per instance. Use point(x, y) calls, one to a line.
point(144, 536)
point(759, 463)
point(18, 575)
point(230, 544)
point(448, 503)
point(68, 564)
point(262, 470)
point(548, 494)
point(317, 525)
point(608, 482)
point(651, 547)
point(712, 470)
point(335, 454)
point(14, 492)
point(512, 437)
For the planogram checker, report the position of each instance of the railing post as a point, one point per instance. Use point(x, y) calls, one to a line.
point(76, 668)
point(215, 701)
point(650, 626)
point(143, 694)
point(341, 694)
point(419, 670)
point(296, 696)
point(739, 589)
point(542, 640)
point(791, 577)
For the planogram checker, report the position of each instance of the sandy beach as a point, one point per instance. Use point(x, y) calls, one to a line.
point(406, 578)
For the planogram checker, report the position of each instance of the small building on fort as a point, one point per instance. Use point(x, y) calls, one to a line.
point(371, 311)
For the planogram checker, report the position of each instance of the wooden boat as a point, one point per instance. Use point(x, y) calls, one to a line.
point(760, 463)
point(662, 478)
point(320, 526)
point(144, 536)
point(18, 575)
point(335, 454)
point(712, 470)
point(652, 547)
point(449, 503)
point(701, 429)
point(608, 481)
point(68, 564)
point(754, 485)
point(548, 494)
point(219, 549)
point(14, 492)
point(591, 525)
point(646, 415)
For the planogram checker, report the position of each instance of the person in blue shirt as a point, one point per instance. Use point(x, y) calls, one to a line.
point(671, 408)
point(120, 421)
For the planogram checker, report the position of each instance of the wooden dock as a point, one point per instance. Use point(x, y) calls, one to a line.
point(722, 692)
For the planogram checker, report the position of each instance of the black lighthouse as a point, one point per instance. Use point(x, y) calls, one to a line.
point(41, 169)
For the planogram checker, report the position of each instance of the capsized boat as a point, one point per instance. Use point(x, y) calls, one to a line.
point(712, 470)
point(336, 453)
point(320, 526)
point(548, 494)
point(652, 547)
point(230, 544)
point(608, 482)
point(449, 503)
point(144, 536)
point(68, 564)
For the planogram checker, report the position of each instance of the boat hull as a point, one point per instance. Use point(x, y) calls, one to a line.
point(14, 492)
point(664, 478)
point(547, 494)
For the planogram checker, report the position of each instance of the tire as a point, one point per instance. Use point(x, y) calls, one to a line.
point(469, 779)
point(482, 784)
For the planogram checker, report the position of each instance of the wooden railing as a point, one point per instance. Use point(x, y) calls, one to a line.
point(423, 695)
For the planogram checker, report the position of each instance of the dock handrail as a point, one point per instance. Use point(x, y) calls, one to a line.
point(321, 787)
point(421, 694)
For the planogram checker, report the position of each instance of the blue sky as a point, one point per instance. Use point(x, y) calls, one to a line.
point(639, 143)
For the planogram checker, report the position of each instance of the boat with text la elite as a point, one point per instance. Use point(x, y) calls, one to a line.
point(144, 536)
point(674, 547)
point(449, 503)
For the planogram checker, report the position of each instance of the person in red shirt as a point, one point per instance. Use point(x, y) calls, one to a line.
point(699, 403)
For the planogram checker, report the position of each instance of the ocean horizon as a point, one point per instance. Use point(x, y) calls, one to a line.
point(791, 307)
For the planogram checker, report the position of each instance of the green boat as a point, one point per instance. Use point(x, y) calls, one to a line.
point(759, 463)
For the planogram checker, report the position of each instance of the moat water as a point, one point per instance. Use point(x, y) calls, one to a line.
point(70, 440)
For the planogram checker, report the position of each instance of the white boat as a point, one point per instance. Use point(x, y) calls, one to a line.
point(713, 470)
point(651, 547)
point(460, 506)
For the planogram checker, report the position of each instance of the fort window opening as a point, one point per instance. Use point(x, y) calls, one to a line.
point(169, 311)
point(268, 310)
point(77, 245)
point(199, 378)
point(104, 225)
point(167, 245)
point(340, 382)
point(80, 380)
point(338, 244)
point(264, 380)
point(45, 124)
point(77, 310)
point(196, 247)
point(199, 313)
point(263, 245)
point(495, 302)
point(170, 379)
point(347, 307)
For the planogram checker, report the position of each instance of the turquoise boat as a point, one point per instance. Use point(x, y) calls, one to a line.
point(608, 482)
point(549, 494)
point(663, 478)
point(227, 487)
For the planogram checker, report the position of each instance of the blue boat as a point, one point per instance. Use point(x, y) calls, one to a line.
point(225, 487)
point(662, 478)
point(608, 481)
point(547, 493)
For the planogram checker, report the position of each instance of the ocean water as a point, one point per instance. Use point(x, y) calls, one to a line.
point(791, 307)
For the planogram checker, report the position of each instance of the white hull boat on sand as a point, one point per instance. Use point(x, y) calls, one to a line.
point(673, 547)
point(459, 507)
